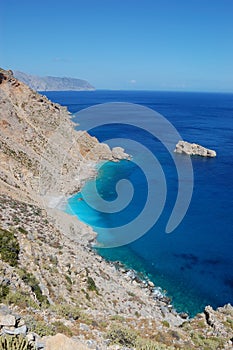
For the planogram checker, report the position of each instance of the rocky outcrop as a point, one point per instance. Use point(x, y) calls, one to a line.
point(60, 341)
point(41, 153)
point(193, 149)
point(218, 319)
point(53, 83)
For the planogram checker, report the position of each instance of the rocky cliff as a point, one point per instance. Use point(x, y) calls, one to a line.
point(51, 281)
point(53, 83)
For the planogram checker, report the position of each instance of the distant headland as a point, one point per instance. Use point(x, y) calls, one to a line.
point(49, 83)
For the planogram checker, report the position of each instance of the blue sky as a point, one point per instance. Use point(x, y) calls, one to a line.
point(122, 44)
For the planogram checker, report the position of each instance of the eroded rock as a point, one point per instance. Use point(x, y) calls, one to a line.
point(7, 320)
point(194, 149)
point(60, 341)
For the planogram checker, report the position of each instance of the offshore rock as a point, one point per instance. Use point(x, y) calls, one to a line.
point(193, 149)
point(118, 153)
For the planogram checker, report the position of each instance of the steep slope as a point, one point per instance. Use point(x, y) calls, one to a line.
point(50, 277)
point(53, 83)
point(41, 153)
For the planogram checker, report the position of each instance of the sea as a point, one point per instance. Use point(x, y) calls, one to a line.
point(193, 264)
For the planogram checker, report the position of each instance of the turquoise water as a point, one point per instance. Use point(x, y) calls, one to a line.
point(194, 263)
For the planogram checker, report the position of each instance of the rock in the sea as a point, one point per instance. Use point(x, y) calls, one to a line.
point(193, 149)
point(119, 153)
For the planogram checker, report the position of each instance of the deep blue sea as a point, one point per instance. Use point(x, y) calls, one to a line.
point(194, 264)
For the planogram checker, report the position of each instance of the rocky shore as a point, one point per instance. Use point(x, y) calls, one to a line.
point(55, 291)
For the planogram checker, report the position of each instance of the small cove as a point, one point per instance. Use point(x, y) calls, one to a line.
point(194, 263)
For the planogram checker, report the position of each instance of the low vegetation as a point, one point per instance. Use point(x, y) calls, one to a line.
point(130, 338)
point(91, 286)
point(31, 281)
point(4, 291)
point(67, 311)
point(21, 299)
point(9, 247)
point(8, 342)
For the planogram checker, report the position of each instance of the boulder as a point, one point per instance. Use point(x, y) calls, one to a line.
point(84, 327)
point(151, 284)
point(194, 149)
point(7, 320)
point(15, 331)
point(62, 342)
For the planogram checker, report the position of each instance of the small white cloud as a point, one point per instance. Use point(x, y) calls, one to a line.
point(132, 81)
point(61, 59)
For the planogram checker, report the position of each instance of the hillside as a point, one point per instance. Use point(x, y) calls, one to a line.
point(53, 83)
point(51, 280)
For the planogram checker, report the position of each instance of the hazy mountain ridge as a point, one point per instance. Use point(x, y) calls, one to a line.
point(49, 83)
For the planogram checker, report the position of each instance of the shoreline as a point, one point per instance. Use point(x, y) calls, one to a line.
point(60, 203)
point(130, 274)
point(125, 269)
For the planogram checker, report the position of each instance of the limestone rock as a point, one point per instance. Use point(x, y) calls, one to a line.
point(61, 342)
point(194, 149)
point(217, 320)
point(119, 153)
point(15, 331)
point(7, 320)
point(84, 327)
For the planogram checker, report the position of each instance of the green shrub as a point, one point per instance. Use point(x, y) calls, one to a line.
point(9, 247)
point(4, 291)
point(22, 230)
point(8, 342)
point(68, 279)
point(147, 344)
point(41, 328)
point(59, 327)
point(165, 323)
point(20, 299)
point(229, 322)
point(117, 318)
point(129, 338)
point(67, 311)
point(31, 281)
point(91, 286)
point(210, 343)
point(122, 336)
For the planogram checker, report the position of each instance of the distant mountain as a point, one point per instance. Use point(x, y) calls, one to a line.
point(53, 83)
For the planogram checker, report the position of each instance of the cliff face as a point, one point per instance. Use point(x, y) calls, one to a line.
point(53, 83)
point(49, 275)
point(41, 153)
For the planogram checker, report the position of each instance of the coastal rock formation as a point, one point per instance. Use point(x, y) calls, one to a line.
point(51, 280)
point(53, 83)
point(193, 149)
point(41, 153)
